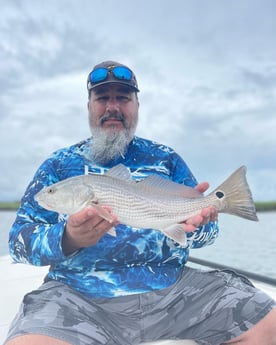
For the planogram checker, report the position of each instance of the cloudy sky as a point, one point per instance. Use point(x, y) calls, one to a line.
point(206, 70)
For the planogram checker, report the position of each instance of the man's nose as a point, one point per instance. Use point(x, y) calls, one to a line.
point(112, 105)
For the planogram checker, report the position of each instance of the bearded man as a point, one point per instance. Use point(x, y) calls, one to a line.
point(134, 287)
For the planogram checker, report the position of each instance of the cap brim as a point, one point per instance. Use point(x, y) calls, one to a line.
point(126, 84)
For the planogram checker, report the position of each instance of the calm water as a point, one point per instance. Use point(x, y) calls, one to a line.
point(242, 244)
point(6, 220)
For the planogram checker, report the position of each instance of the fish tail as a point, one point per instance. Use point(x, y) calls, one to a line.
point(236, 196)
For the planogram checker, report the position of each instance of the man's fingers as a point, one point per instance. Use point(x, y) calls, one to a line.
point(195, 220)
point(81, 217)
point(89, 213)
point(202, 187)
point(208, 214)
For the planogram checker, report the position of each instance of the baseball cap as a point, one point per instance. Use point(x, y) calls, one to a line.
point(111, 72)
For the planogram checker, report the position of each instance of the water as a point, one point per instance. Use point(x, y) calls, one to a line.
point(242, 244)
point(6, 220)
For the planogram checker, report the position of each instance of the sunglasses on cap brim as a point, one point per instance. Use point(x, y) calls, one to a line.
point(101, 74)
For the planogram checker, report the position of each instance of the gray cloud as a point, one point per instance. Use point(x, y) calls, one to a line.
point(206, 71)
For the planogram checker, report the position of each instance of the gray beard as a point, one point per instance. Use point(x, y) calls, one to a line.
point(106, 146)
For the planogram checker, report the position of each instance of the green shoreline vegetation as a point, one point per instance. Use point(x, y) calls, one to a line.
point(261, 206)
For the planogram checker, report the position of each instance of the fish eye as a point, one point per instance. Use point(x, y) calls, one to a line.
point(51, 190)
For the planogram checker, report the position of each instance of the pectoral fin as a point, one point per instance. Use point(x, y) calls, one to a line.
point(102, 212)
point(112, 232)
point(176, 233)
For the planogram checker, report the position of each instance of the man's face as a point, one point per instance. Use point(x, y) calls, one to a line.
point(113, 108)
point(113, 116)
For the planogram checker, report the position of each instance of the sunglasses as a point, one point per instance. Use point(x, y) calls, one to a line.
point(119, 72)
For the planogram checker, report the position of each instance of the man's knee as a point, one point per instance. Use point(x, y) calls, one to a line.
point(35, 339)
point(264, 332)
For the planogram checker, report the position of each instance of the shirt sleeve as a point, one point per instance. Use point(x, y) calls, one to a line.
point(36, 235)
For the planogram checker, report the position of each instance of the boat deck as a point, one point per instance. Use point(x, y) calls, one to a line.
point(18, 279)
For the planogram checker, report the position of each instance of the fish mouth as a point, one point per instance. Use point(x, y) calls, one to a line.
point(42, 203)
point(47, 206)
point(36, 197)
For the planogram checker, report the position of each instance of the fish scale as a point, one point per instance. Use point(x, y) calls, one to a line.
point(154, 202)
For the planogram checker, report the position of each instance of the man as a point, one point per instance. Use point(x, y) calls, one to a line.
point(134, 287)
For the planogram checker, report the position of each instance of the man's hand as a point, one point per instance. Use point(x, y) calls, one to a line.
point(85, 228)
point(207, 214)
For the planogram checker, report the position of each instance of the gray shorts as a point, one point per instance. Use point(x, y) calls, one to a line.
point(210, 307)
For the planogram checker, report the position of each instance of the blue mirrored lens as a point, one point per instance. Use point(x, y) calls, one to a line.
point(122, 72)
point(98, 75)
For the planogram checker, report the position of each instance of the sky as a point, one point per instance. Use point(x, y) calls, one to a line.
point(206, 70)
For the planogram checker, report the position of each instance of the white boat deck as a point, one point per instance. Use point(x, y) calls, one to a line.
point(18, 279)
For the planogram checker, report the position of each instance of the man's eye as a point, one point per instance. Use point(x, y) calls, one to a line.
point(122, 98)
point(102, 98)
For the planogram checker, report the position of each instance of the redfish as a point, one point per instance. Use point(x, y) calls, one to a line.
point(153, 202)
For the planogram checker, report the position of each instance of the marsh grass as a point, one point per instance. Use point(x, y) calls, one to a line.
point(7, 206)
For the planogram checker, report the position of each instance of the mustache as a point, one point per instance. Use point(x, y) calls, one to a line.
point(113, 116)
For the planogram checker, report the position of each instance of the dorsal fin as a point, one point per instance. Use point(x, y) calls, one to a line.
point(170, 187)
point(120, 172)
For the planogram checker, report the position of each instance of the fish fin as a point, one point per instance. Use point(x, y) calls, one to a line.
point(170, 187)
point(102, 212)
point(105, 215)
point(120, 172)
point(112, 232)
point(176, 233)
point(236, 196)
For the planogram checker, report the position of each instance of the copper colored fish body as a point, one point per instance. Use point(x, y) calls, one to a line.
point(154, 202)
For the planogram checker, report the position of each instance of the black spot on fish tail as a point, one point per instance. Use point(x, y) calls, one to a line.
point(219, 194)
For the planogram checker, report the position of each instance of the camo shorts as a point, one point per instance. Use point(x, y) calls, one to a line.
point(210, 307)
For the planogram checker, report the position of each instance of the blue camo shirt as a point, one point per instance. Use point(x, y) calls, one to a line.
point(133, 261)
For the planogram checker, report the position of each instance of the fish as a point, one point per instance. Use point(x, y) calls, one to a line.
point(153, 202)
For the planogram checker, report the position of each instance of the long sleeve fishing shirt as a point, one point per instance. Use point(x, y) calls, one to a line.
point(136, 260)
